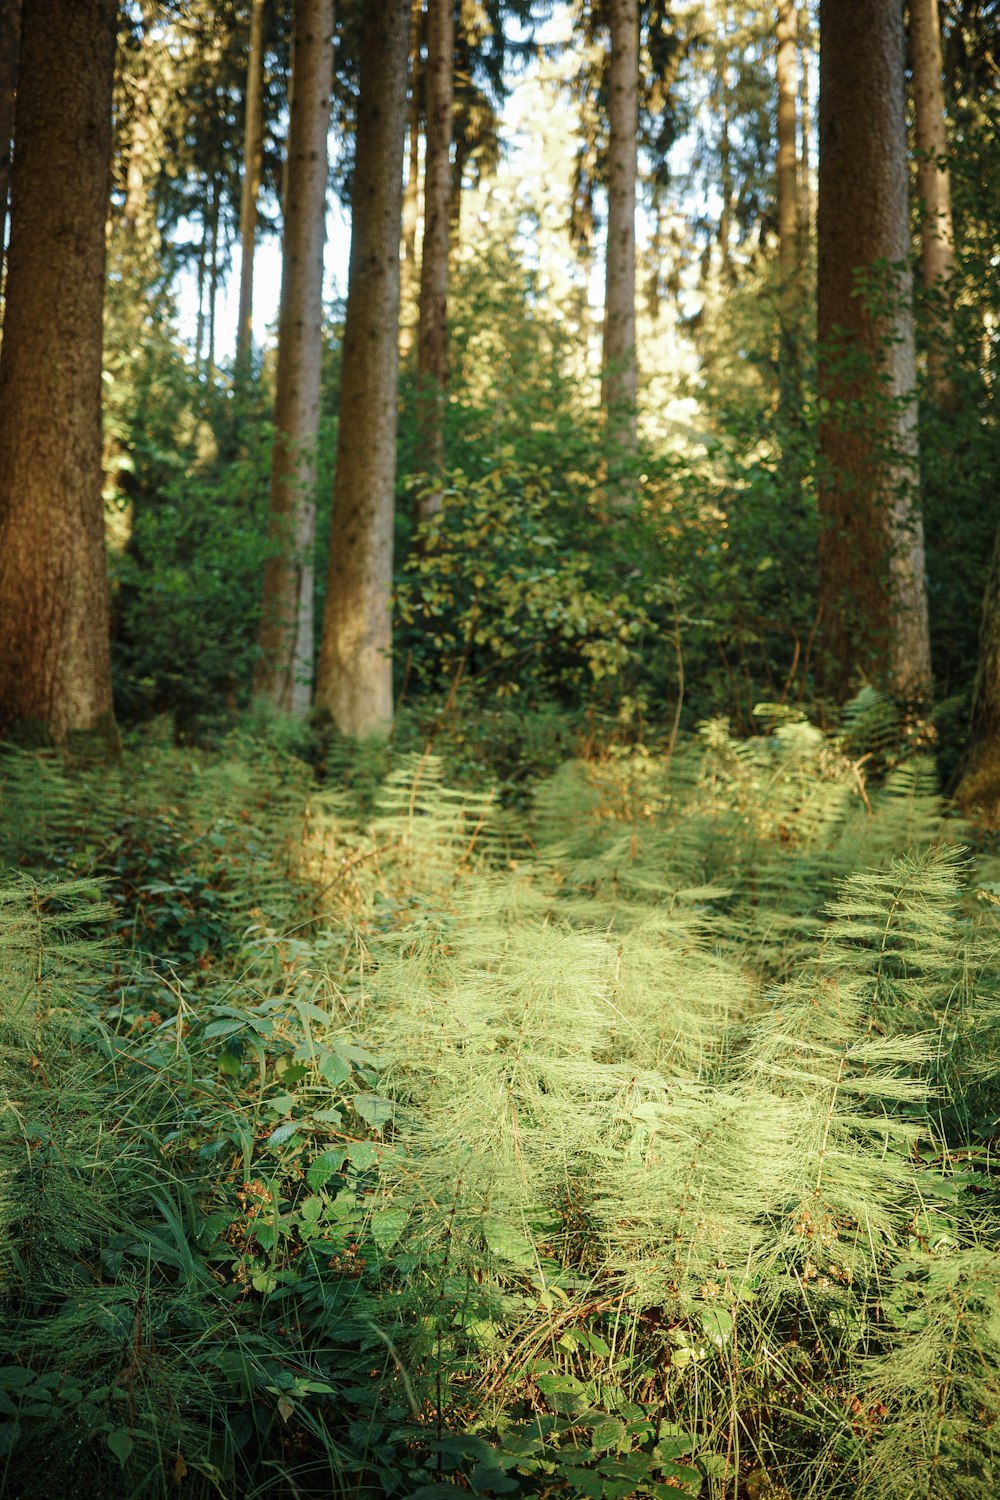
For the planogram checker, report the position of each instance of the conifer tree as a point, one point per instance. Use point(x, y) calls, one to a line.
point(979, 788)
point(937, 238)
point(354, 675)
point(55, 674)
point(872, 589)
point(10, 39)
point(619, 364)
point(285, 665)
point(432, 346)
point(253, 150)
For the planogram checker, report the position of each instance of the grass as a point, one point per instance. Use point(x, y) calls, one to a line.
point(631, 1142)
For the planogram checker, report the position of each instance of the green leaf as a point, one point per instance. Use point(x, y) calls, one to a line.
point(119, 1440)
point(374, 1111)
point(335, 1068)
point(507, 1244)
point(387, 1224)
point(324, 1167)
point(607, 1434)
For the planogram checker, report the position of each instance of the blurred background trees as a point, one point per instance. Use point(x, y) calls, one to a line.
point(542, 552)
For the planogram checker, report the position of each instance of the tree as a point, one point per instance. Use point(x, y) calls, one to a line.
point(937, 239)
point(10, 39)
point(411, 192)
point(285, 665)
point(872, 593)
point(432, 345)
point(979, 787)
point(55, 673)
point(354, 675)
point(788, 202)
point(619, 385)
point(253, 152)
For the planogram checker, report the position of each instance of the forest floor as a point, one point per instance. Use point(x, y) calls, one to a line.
point(628, 1136)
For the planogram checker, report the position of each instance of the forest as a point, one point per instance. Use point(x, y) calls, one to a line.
point(499, 749)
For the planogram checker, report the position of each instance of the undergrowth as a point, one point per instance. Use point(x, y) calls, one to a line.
point(633, 1143)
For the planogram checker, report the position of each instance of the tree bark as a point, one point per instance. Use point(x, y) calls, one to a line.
point(979, 788)
point(354, 677)
point(787, 155)
point(411, 192)
point(253, 156)
point(284, 672)
point(937, 238)
point(619, 385)
point(872, 588)
point(432, 344)
point(788, 212)
point(805, 135)
point(213, 278)
point(55, 672)
point(10, 41)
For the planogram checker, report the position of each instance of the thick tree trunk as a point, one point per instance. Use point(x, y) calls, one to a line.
point(354, 678)
point(619, 364)
point(10, 41)
point(937, 238)
point(253, 156)
point(979, 789)
point(55, 674)
point(871, 558)
point(284, 671)
point(411, 192)
point(432, 345)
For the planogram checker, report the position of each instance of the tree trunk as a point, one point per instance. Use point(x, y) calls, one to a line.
point(937, 239)
point(199, 327)
point(455, 205)
point(55, 672)
point(619, 364)
point(979, 789)
point(805, 136)
point(354, 679)
point(134, 211)
point(284, 672)
point(10, 41)
point(213, 279)
point(253, 155)
point(788, 212)
point(872, 589)
point(411, 192)
point(787, 155)
point(432, 344)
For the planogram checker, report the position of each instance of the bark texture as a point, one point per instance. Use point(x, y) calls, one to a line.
point(55, 676)
point(619, 364)
point(788, 210)
point(354, 678)
point(432, 345)
point(937, 237)
point(805, 133)
point(253, 157)
point(284, 672)
point(10, 41)
point(411, 192)
point(787, 155)
point(979, 789)
point(872, 588)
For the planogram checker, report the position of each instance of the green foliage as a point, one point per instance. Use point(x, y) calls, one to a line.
point(635, 1145)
